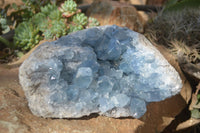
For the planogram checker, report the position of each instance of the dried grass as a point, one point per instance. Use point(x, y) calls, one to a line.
point(179, 31)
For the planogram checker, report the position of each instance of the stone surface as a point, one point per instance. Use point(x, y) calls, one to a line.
point(108, 70)
point(138, 2)
point(145, 15)
point(135, 2)
point(85, 1)
point(156, 2)
point(113, 12)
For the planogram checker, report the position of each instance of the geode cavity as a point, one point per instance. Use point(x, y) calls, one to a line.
point(109, 70)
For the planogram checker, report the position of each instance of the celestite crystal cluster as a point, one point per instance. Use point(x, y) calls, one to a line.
point(109, 70)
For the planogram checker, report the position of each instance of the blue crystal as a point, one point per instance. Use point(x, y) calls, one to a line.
point(137, 107)
point(105, 105)
point(120, 100)
point(104, 84)
point(109, 49)
point(93, 36)
point(108, 70)
point(83, 77)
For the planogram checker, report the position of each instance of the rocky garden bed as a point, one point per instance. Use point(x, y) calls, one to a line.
point(178, 42)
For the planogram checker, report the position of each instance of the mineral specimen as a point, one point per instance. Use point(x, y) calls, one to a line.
point(109, 70)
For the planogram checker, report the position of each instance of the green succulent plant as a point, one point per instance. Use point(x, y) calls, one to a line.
point(34, 5)
point(48, 9)
point(74, 28)
point(51, 22)
point(4, 20)
point(56, 30)
point(92, 22)
point(80, 19)
point(4, 25)
point(25, 11)
point(26, 36)
point(55, 15)
point(47, 34)
point(68, 8)
point(40, 20)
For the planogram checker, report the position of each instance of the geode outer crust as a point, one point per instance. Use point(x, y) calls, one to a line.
point(109, 70)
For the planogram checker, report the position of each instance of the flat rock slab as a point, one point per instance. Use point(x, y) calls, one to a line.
point(108, 70)
point(113, 12)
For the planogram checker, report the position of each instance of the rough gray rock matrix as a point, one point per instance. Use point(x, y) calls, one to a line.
point(109, 70)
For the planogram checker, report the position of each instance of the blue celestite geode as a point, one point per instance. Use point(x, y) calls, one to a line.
point(109, 70)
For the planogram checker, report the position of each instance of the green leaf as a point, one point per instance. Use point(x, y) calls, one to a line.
point(170, 3)
point(4, 25)
point(24, 1)
point(198, 96)
point(174, 5)
point(14, 6)
point(19, 54)
point(195, 113)
point(6, 42)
